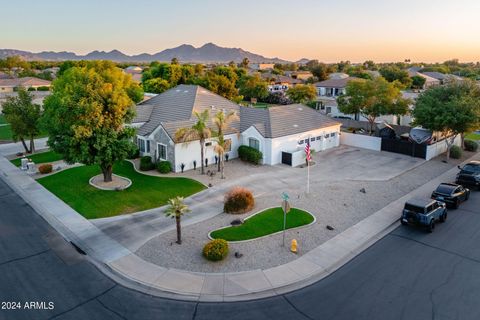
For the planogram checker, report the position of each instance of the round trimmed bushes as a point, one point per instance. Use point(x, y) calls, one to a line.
point(45, 168)
point(471, 145)
point(456, 152)
point(164, 167)
point(146, 163)
point(215, 250)
point(238, 200)
point(250, 154)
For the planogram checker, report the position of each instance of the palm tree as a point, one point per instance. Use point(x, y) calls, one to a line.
point(177, 208)
point(222, 122)
point(199, 131)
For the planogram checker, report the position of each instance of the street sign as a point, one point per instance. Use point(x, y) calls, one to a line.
point(285, 196)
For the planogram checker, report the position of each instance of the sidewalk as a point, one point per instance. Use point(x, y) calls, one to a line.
point(124, 266)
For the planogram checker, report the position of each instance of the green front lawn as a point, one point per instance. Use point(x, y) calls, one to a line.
point(146, 192)
point(43, 157)
point(2, 119)
point(473, 136)
point(264, 223)
point(6, 133)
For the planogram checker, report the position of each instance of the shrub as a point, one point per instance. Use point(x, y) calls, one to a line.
point(471, 145)
point(238, 200)
point(164, 167)
point(146, 163)
point(456, 152)
point(31, 89)
point(216, 250)
point(134, 154)
point(250, 154)
point(45, 168)
point(43, 88)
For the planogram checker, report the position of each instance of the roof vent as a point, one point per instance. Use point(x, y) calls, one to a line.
point(178, 90)
point(212, 107)
point(186, 91)
point(300, 109)
point(295, 125)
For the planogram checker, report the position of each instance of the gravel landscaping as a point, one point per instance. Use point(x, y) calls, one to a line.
point(338, 198)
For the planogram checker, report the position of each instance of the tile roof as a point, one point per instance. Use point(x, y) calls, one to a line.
point(280, 121)
point(335, 83)
point(24, 82)
point(278, 78)
point(173, 109)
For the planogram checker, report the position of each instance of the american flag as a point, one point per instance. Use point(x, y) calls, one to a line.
point(307, 151)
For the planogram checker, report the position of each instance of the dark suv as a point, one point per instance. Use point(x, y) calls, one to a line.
point(424, 212)
point(469, 175)
point(452, 194)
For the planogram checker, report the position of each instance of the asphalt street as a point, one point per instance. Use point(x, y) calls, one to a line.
point(409, 274)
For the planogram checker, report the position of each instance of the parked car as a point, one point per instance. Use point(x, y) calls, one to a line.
point(424, 212)
point(452, 194)
point(469, 175)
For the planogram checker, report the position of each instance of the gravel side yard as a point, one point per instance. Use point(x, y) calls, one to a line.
point(338, 203)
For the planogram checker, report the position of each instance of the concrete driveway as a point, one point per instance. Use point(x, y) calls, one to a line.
point(266, 182)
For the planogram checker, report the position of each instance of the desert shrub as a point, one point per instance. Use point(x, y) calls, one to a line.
point(250, 154)
point(45, 168)
point(43, 88)
point(456, 152)
point(471, 145)
point(238, 200)
point(146, 163)
point(216, 250)
point(164, 167)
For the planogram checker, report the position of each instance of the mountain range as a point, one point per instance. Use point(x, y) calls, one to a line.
point(185, 53)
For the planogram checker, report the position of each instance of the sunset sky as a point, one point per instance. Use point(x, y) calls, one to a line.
point(421, 30)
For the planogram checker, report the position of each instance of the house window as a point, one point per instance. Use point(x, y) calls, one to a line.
point(319, 138)
point(327, 136)
point(228, 143)
point(312, 139)
point(254, 143)
point(148, 146)
point(300, 142)
point(208, 144)
point(161, 151)
point(143, 145)
point(333, 134)
point(329, 110)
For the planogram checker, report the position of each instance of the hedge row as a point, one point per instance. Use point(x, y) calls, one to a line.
point(250, 154)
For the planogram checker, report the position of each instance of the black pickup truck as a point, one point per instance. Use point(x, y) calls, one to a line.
point(469, 175)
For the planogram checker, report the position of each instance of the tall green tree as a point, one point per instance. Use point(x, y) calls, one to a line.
point(199, 131)
point(372, 99)
point(176, 209)
point(86, 115)
point(156, 85)
point(253, 87)
point(451, 109)
point(24, 118)
point(221, 122)
point(222, 85)
point(302, 93)
point(418, 82)
point(393, 73)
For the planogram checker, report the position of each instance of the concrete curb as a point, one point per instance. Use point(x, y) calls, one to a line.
point(130, 270)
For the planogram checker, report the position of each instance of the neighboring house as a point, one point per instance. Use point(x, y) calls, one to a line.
point(135, 72)
point(4, 75)
point(333, 87)
point(279, 83)
point(271, 130)
point(300, 75)
point(429, 81)
point(442, 77)
point(10, 85)
point(261, 66)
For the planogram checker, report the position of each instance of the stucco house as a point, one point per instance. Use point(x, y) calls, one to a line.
point(10, 85)
point(272, 130)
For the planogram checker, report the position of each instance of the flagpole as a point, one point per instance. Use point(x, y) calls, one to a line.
point(308, 176)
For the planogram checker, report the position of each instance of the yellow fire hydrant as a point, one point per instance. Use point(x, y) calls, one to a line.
point(293, 247)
